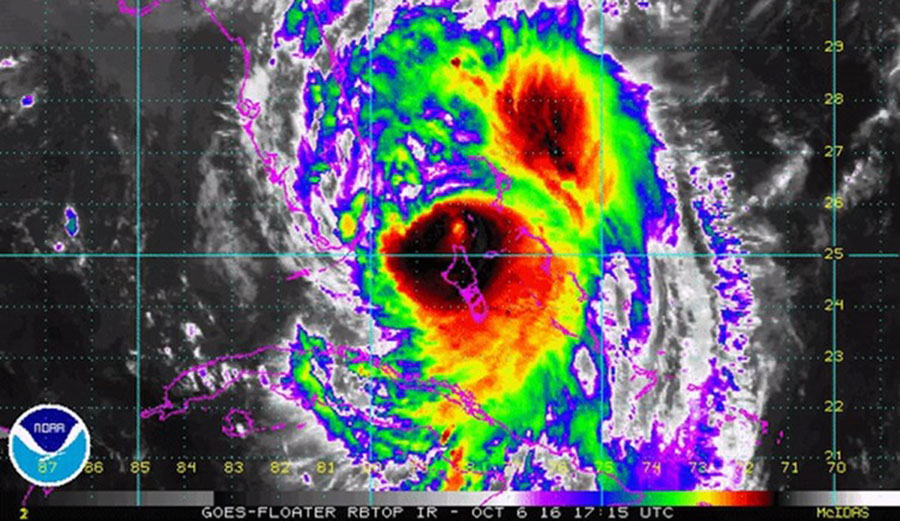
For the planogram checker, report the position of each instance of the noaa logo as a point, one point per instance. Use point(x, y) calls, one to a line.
point(49, 445)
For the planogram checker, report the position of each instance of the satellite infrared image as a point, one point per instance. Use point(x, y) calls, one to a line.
point(453, 259)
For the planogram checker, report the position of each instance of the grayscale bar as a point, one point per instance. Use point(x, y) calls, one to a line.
point(377, 498)
point(150, 498)
point(827, 498)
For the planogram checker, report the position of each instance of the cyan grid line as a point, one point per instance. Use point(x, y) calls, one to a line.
point(878, 255)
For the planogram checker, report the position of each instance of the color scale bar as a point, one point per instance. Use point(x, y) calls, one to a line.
point(843, 498)
point(648, 498)
point(515, 498)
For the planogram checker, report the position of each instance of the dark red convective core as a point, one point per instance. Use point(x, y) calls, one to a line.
point(419, 256)
point(545, 122)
